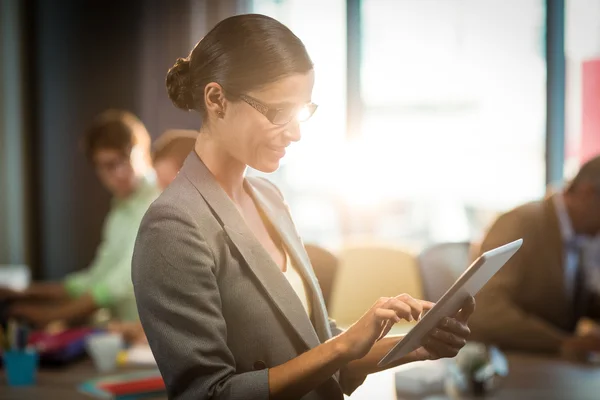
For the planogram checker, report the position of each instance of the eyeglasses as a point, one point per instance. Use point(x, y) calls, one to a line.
point(281, 116)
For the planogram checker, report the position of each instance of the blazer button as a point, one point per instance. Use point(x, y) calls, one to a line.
point(258, 365)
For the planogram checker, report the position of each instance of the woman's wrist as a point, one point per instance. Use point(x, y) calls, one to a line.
point(340, 348)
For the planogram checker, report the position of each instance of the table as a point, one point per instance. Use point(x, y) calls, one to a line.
point(60, 383)
point(530, 377)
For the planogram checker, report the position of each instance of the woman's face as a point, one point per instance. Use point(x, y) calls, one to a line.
point(251, 138)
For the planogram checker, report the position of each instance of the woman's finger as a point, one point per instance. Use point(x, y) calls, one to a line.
point(387, 318)
point(386, 329)
point(448, 338)
point(402, 309)
point(454, 326)
point(466, 310)
point(380, 302)
point(415, 305)
point(427, 305)
point(438, 348)
point(385, 314)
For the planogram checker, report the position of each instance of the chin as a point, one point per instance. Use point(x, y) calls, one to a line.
point(266, 167)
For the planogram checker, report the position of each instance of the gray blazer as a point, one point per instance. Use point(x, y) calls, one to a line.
point(217, 310)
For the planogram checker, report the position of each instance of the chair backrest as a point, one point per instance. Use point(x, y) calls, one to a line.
point(368, 272)
point(441, 265)
point(325, 265)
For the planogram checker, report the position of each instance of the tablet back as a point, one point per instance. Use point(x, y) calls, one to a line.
point(468, 284)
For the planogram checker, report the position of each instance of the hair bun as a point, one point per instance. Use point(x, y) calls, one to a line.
point(179, 85)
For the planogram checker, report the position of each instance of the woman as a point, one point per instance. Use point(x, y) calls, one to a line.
point(225, 291)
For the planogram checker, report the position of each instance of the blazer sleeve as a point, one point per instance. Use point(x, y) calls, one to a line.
point(178, 299)
point(498, 319)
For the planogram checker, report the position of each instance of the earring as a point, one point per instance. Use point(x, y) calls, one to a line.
point(221, 114)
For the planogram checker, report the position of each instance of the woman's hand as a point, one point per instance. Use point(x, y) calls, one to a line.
point(451, 334)
point(357, 340)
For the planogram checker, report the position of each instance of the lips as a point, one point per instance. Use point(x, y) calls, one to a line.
point(280, 151)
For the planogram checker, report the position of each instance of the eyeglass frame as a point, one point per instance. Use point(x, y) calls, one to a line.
point(269, 112)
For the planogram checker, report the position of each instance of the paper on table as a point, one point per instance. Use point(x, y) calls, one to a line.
point(137, 355)
point(420, 378)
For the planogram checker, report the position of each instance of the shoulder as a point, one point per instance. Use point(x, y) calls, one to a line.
point(523, 215)
point(520, 222)
point(178, 210)
point(174, 228)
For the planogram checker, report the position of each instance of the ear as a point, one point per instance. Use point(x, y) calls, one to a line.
point(214, 98)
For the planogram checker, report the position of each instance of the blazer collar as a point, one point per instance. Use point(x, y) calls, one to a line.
point(256, 257)
point(277, 213)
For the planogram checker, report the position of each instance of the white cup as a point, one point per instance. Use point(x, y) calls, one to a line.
point(104, 348)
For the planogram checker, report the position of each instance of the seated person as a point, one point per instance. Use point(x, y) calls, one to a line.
point(118, 146)
point(536, 300)
point(170, 151)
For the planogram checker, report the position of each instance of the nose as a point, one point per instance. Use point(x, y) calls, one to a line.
point(292, 131)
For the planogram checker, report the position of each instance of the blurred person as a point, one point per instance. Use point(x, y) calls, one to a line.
point(118, 146)
point(226, 294)
point(536, 300)
point(169, 153)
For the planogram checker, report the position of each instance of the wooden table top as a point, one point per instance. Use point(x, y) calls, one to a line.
point(60, 383)
point(530, 377)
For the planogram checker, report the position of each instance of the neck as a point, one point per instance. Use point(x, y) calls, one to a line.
point(125, 196)
point(228, 171)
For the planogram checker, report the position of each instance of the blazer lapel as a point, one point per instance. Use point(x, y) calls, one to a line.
point(256, 257)
point(284, 225)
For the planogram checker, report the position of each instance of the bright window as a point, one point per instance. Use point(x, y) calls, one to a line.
point(582, 51)
point(453, 123)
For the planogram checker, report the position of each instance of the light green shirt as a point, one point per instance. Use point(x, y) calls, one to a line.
point(108, 278)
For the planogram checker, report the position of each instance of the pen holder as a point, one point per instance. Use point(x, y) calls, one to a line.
point(20, 367)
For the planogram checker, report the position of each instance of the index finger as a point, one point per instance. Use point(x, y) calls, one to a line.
point(427, 305)
point(466, 310)
point(415, 305)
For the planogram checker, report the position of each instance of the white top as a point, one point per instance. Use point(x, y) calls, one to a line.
point(297, 283)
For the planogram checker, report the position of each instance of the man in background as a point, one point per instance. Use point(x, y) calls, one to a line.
point(170, 151)
point(118, 146)
point(536, 300)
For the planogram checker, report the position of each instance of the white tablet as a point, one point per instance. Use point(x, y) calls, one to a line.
point(469, 283)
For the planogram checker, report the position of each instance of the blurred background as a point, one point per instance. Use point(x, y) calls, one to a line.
point(434, 115)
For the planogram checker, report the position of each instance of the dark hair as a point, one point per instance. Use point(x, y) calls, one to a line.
point(240, 53)
point(589, 172)
point(115, 130)
point(175, 144)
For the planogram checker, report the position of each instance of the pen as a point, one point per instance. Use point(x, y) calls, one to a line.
point(12, 334)
point(21, 339)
